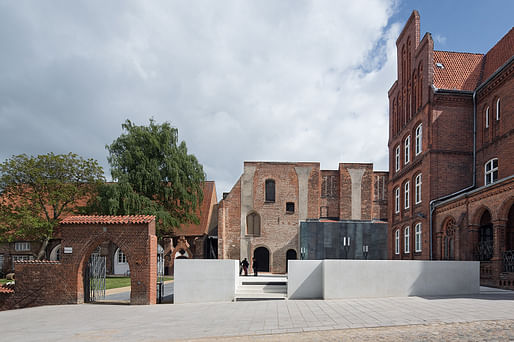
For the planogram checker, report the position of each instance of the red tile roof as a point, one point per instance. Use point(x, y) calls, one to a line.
point(498, 55)
point(5, 290)
point(204, 213)
point(107, 219)
point(457, 70)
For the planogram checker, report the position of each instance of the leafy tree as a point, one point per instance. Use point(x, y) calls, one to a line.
point(155, 175)
point(37, 192)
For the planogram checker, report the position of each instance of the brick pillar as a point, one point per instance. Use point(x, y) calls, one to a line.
point(438, 247)
point(473, 243)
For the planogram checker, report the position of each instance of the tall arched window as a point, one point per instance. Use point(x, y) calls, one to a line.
point(498, 109)
point(406, 240)
point(491, 171)
point(449, 240)
point(270, 190)
point(417, 189)
point(253, 224)
point(419, 136)
point(397, 241)
point(487, 117)
point(417, 237)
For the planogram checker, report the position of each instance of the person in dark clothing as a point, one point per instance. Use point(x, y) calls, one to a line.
point(240, 267)
point(254, 266)
point(245, 266)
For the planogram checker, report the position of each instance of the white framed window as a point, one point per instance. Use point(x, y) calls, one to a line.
point(417, 237)
point(419, 138)
point(491, 171)
point(406, 240)
point(397, 241)
point(498, 109)
point(487, 117)
point(407, 150)
point(417, 189)
point(122, 258)
point(22, 258)
point(397, 158)
point(21, 246)
point(406, 195)
point(397, 200)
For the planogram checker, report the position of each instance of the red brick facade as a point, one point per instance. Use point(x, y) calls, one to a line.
point(61, 282)
point(435, 105)
point(301, 192)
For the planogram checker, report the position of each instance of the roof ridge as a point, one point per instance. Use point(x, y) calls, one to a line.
point(467, 53)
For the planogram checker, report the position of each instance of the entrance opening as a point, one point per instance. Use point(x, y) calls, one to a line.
point(261, 254)
point(485, 238)
point(290, 255)
point(94, 277)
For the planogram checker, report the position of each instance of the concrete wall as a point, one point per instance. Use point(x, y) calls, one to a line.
point(198, 280)
point(390, 278)
point(305, 279)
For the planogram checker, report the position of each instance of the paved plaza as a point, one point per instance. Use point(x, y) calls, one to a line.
point(483, 317)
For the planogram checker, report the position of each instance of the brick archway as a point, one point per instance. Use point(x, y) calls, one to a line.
point(135, 235)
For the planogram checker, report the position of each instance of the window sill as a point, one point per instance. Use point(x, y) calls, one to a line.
point(269, 202)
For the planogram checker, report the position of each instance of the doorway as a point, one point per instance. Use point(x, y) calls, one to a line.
point(261, 254)
point(290, 255)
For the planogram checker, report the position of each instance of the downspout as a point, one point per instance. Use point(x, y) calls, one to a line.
point(433, 203)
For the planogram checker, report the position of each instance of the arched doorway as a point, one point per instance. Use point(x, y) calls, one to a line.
point(485, 237)
point(261, 254)
point(55, 254)
point(290, 255)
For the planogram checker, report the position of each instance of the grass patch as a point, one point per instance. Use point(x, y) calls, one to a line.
point(3, 281)
point(116, 282)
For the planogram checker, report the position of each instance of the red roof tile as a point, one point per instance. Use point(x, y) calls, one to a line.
point(498, 55)
point(203, 212)
point(457, 70)
point(5, 290)
point(107, 219)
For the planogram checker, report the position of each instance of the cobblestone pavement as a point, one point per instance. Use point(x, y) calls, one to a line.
point(448, 332)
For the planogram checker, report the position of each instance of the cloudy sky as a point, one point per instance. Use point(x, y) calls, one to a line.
point(241, 80)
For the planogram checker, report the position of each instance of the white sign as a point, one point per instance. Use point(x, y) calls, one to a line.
point(68, 250)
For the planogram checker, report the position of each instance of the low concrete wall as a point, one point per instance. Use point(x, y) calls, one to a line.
point(305, 279)
point(389, 278)
point(204, 280)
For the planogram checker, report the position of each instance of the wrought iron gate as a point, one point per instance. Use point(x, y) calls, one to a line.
point(94, 278)
point(160, 275)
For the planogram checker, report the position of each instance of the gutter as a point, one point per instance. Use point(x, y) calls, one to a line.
point(436, 202)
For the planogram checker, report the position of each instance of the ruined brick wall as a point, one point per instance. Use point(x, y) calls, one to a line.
point(329, 199)
point(229, 224)
point(380, 181)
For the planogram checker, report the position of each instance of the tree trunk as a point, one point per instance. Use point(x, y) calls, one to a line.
point(41, 255)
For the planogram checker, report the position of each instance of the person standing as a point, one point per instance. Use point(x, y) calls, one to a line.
point(245, 266)
point(254, 266)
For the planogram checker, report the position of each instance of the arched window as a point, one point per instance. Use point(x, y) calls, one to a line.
point(397, 241)
point(417, 237)
point(253, 224)
point(406, 240)
point(491, 171)
point(397, 158)
point(419, 135)
point(449, 240)
point(270, 190)
point(417, 189)
point(498, 109)
point(55, 254)
point(407, 150)
point(397, 200)
point(406, 195)
point(487, 117)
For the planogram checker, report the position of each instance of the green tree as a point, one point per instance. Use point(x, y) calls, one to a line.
point(154, 174)
point(37, 192)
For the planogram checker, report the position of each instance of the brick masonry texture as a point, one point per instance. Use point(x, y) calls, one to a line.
point(435, 89)
point(314, 193)
point(48, 282)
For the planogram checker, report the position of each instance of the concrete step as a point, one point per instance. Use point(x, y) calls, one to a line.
point(262, 289)
point(262, 296)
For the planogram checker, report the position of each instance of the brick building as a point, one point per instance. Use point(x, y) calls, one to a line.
point(451, 154)
point(194, 240)
point(262, 213)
